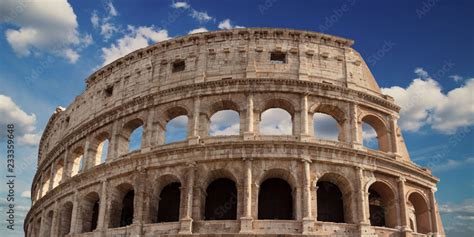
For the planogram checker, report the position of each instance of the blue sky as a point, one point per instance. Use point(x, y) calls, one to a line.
point(420, 52)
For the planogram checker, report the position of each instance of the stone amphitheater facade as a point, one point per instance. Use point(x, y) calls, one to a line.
point(245, 184)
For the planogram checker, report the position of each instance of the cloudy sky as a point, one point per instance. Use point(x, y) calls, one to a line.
point(420, 52)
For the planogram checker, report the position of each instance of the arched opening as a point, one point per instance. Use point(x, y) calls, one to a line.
point(101, 148)
point(77, 161)
point(46, 228)
point(325, 127)
point(329, 202)
point(122, 208)
point(419, 213)
point(90, 212)
point(221, 200)
point(275, 200)
point(58, 174)
point(65, 219)
point(176, 129)
point(135, 141)
point(225, 122)
point(45, 183)
point(276, 121)
point(374, 133)
point(168, 206)
point(382, 205)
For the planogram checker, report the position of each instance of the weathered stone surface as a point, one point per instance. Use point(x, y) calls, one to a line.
point(307, 73)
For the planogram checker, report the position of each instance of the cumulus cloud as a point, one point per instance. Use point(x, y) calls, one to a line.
point(201, 17)
point(107, 30)
point(25, 124)
point(276, 122)
point(176, 129)
point(227, 25)
point(197, 30)
point(26, 194)
point(325, 127)
point(95, 19)
point(225, 122)
point(104, 23)
point(183, 5)
point(423, 103)
point(41, 26)
point(458, 218)
point(456, 78)
point(452, 164)
point(136, 38)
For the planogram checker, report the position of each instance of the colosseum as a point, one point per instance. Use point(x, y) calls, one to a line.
point(250, 183)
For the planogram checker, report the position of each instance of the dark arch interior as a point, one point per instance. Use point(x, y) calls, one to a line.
point(95, 215)
point(168, 207)
point(221, 200)
point(376, 209)
point(65, 219)
point(90, 213)
point(126, 218)
point(275, 200)
point(330, 203)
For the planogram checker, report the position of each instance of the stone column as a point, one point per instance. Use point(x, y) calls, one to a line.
point(297, 203)
point(54, 221)
point(362, 206)
point(101, 223)
point(246, 219)
point(403, 204)
point(434, 219)
point(194, 124)
point(113, 151)
point(249, 133)
point(304, 131)
point(308, 220)
point(66, 166)
point(148, 132)
point(355, 132)
point(52, 174)
point(140, 185)
point(186, 221)
point(75, 208)
point(88, 157)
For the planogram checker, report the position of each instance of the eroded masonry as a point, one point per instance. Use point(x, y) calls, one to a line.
point(247, 183)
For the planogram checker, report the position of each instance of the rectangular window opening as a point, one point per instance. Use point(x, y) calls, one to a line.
point(109, 91)
point(278, 57)
point(178, 66)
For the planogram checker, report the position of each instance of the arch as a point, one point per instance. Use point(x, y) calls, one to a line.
point(58, 173)
point(326, 127)
point(223, 105)
point(279, 103)
point(275, 200)
point(382, 205)
point(332, 110)
point(45, 185)
point(48, 221)
point(124, 141)
point(221, 200)
point(77, 160)
point(65, 217)
point(122, 206)
point(169, 204)
point(276, 121)
point(101, 147)
point(176, 122)
point(334, 192)
point(381, 130)
point(224, 122)
point(419, 212)
point(89, 212)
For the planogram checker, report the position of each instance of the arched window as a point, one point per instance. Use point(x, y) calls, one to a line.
point(46, 228)
point(419, 213)
point(101, 149)
point(276, 121)
point(77, 161)
point(382, 205)
point(330, 202)
point(221, 200)
point(135, 141)
point(225, 122)
point(65, 219)
point(90, 212)
point(176, 129)
point(168, 207)
point(375, 133)
point(45, 183)
point(325, 127)
point(122, 206)
point(275, 200)
point(58, 173)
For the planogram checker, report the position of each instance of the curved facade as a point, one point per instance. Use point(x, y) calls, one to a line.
point(247, 183)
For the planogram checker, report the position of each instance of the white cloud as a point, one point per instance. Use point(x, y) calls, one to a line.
point(452, 164)
point(107, 30)
point(456, 78)
point(276, 122)
point(135, 39)
point(95, 19)
point(49, 26)
point(26, 194)
point(111, 9)
point(369, 137)
point(197, 30)
point(423, 103)
point(458, 218)
point(325, 127)
point(227, 25)
point(202, 17)
point(105, 24)
point(183, 5)
point(25, 124)
point(225, 122)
